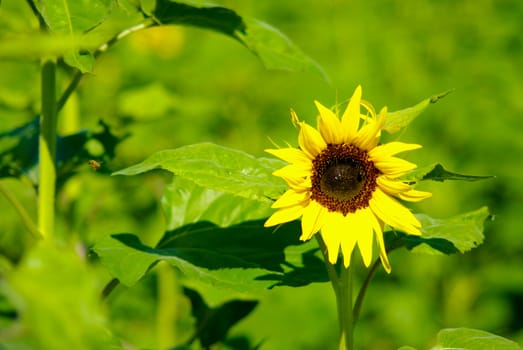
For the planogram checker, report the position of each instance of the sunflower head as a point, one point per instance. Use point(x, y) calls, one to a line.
point(344, 184)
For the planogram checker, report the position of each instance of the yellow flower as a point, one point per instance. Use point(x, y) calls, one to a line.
point(342, 182)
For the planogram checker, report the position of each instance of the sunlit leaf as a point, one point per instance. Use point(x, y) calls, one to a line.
point(213, 323)
point(273, 48)
point(473, 339)
point(436, 172)
point(74, 17)
point(218, 168)
point(54, 290)
point(457, 234)
point(398, 120)
point(242, 257)
point(184, 202)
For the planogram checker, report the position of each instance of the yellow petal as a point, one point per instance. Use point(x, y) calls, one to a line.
point(331, 234)
point(393, 213)
point(284, 215)
point(381, 245)
point(312, 220)
point(391, 186)
point(349, 236)
point(369, 135)
point(364, 232)
point(291, 198)
point(393, 166)
point(310, 140)
point(414, 195)
point(351, 117)
point(292, 155)
point(292, 172)
point(391, 148)
point(329, 125)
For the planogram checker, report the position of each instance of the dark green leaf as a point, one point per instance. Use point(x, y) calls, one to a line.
point(54, 290)
point(273, 48)
point(218, 168)
point(242, 257)
point(400, 119)
point(457, 234)
point(472, 339)
point(216, 18)
point(184, 202)
point(21, 155)
point(436, 172)
point(213, 324)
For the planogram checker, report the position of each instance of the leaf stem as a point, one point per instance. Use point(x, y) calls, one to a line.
point(78, 75)
point(26, 219)
point(365, 285)
point(47, 149)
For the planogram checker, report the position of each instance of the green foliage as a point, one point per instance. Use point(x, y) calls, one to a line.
point(465, 338)
point(242, 257)
point(400, 119)
point(457, 234)
point(214, 323)
point(219, 168)
point(436, 172)
point(67, 299)
point(74, 18)
point(273, 48)
point(20, 158)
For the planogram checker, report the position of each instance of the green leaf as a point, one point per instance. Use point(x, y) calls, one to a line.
point(400, 119)
point(457, 234)
point(273, 48)
point(74, 18)
point(276, 50)
point(54, 290)
point(472, 339)
point(436, 172)
point(20, 155)
point(184, 202)
point(217, 18)
point(241, 258)
point(218, 168)
point(213, 324)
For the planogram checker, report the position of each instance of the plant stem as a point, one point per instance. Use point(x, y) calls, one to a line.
point(47, 149)
point(345, 313)
point(167, 312)
point(342, 286)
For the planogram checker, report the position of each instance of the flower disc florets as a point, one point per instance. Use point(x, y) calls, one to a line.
point(343, 178)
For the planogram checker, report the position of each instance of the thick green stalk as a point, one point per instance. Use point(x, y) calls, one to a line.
point(345, 314)
point(167, 312)
point(342, 286)
point(47, 150)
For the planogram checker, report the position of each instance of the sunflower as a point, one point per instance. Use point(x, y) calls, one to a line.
point(342, 182)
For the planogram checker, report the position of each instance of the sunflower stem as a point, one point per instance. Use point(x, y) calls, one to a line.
point(345, 313)
point(342, 286)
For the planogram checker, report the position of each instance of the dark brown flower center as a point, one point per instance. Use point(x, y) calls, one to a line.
point(343, 178)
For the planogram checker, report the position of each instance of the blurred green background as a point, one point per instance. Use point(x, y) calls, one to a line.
point(174, 86)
